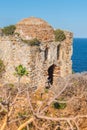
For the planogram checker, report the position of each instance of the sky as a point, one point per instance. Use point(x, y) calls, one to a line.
point(68, 15)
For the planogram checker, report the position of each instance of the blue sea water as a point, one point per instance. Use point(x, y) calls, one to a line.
point(79, 57)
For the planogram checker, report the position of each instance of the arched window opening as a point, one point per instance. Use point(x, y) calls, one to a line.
point(46, 54)
point(58, 51)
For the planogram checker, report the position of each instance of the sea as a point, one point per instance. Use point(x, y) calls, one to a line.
point(79, 57)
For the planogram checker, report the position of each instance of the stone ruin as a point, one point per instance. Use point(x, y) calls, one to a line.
point(35, 28)
point(46, 62)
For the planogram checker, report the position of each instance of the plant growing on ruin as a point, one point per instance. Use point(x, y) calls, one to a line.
point(9, 30)
point(2, 67)
point(59, 35)
point(20, 72)
point(33, 42)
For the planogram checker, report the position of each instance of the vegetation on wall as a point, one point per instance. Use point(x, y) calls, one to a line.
point(20, 71)
point(2, 67)
point(9, 30)
point(33, 42)
point(59, 35)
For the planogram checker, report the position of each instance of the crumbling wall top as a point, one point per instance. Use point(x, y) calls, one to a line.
point(32, 27)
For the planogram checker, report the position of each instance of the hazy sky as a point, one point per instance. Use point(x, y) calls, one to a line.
point(65, 14)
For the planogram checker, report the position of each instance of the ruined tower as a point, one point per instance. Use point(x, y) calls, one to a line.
point(48, 61)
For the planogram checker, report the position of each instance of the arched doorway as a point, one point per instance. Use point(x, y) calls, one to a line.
point(50, 73)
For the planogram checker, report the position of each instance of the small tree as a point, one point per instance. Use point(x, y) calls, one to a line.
point(20, 72)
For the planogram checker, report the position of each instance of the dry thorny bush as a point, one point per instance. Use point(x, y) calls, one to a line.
point(62, 108)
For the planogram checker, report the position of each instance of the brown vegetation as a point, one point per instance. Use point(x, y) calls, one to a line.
point(30, 109)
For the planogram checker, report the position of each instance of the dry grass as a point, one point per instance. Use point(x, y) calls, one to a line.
point(35, 109)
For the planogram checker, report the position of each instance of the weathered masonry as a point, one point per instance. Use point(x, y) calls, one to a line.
point(46, 62)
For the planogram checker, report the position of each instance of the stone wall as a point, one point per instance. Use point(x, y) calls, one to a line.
point(46, 62)
point(32, 27)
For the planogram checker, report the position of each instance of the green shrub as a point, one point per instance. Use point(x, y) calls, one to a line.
point(33, 42)
point(11, 85)
point(9, 30)
point(2, 67)
point(46, 90)
point(21, 71)
point(59, 35)
point(22, 114)
point(57, 105)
